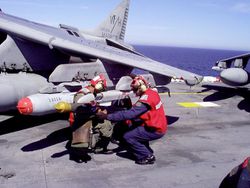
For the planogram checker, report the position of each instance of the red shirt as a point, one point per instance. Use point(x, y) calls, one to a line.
point(154, 118)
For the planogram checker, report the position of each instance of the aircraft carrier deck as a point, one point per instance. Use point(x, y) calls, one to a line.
point(204, 142)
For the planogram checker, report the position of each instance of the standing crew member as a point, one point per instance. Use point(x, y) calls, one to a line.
point(148, 121)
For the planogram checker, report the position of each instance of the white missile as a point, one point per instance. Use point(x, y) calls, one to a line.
point(46, 103)
point(108, 96)
point(41, 104)
point(102, 99)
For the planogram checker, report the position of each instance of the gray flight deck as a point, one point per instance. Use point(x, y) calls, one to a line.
point(201, 146)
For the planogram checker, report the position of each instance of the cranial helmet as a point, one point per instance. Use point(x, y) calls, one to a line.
point(139, 85)
point(99, 83)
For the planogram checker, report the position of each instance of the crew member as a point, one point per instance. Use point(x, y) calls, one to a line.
point(239, 177)
point(82, 120)
point(147, 121)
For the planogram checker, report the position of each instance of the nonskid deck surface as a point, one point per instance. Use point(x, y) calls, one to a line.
point(208, 135)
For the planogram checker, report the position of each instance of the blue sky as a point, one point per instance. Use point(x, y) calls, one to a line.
point(218, 24)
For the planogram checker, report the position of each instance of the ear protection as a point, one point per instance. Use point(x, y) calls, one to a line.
point(99, 83)
point(99, 86)
point(139, 84)
point(142, 86)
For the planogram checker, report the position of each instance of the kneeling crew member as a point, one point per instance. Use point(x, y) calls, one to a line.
point(239, 177)
point(148, 121)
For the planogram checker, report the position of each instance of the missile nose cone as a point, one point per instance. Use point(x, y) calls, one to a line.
point(62, 107)
point(25, 106)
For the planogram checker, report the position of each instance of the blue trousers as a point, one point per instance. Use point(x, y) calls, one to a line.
point(244, 180)
point(138, 141)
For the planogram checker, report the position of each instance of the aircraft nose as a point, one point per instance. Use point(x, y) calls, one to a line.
point(25, 106)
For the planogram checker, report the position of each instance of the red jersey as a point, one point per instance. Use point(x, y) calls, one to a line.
point(246, 164)
point(154, 118)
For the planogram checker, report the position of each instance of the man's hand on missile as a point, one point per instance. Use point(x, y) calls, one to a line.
point(102, 114)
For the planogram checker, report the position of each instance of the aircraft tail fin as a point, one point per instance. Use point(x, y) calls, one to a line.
point(114, 26)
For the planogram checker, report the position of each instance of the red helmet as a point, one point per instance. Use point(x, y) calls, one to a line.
point(139, 85)
point(99, 83)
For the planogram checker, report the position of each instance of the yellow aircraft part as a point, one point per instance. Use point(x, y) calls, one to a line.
point(63, 107)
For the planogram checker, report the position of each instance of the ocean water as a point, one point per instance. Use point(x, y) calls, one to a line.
point(199, 61)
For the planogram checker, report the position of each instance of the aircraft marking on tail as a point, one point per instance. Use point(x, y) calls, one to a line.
point(114, 26)
point(115, 21)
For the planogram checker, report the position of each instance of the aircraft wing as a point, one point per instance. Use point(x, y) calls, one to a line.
point(242, 56)
point(71, 42)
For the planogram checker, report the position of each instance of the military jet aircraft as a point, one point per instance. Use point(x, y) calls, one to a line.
point(233, 70)
point(40, 49)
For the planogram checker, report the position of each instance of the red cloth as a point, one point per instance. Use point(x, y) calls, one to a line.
point(154, 118)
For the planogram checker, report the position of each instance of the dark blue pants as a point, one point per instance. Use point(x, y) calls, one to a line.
point(138, 141)
point(244, 180)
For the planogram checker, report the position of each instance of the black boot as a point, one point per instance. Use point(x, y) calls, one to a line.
point(148, 160)
point(79, 155)
point(102, 146)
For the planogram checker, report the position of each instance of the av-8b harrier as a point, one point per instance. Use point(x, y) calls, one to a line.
point(40, 49)
point(234, 70)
